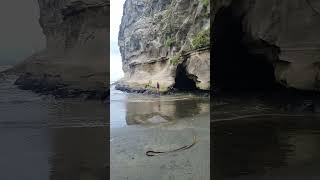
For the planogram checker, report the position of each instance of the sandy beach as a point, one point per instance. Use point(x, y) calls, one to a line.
point(128, 147)
point(148, 127)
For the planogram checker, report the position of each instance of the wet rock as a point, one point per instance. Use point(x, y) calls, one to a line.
point(43, 82)
point(53, 84)
point(157, 120)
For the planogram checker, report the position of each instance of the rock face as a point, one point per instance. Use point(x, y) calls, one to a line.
point(285, 32)
point(158, 36)
point(75, 57)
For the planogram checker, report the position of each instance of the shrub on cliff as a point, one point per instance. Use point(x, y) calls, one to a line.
point(205, 2)
point(202, 39)
point(149, 85)
point(174, 60)
point(169, 42)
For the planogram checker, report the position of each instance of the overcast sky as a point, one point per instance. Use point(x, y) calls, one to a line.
point(116, 8)
point(20, 32)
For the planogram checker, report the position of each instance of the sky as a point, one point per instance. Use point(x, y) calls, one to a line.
point(116, 8)
point(20, 32)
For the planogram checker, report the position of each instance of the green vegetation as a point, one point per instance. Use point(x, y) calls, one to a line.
point(174, 60)
point(205, 3)
point(163, 89)
point(202, 39)
point(169, 42)
point(149, 86)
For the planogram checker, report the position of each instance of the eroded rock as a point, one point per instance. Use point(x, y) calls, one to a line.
point(76, 51)
point(155, 35)
point(292, 26)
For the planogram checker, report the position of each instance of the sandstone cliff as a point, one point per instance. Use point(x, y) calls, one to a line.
point(165, 41)
point(74, 61)
point(282, 33)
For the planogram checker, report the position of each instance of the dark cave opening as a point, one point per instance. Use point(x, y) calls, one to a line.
point(234, 68)
point(183, 82)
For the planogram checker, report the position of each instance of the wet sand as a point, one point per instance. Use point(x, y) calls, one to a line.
point(45, 138)
point(128, 147)
point(254, 140)
point(160, 124)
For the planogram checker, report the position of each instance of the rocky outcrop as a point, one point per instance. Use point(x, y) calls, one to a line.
point(289, 30)
point(75, 58)
point(197, 66)
point(158, 36)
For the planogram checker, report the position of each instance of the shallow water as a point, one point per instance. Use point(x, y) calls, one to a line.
point(130, 108)
point(255, 141)
point(46, 138)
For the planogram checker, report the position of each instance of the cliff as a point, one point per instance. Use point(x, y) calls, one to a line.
point(165, 41)
point(74, 61)
point(257, 44)
point(280, 40)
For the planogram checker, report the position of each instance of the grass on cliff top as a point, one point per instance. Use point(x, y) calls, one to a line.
point(202, 39)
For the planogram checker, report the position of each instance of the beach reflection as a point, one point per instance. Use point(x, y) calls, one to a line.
point(163, 109)
point(131, 109)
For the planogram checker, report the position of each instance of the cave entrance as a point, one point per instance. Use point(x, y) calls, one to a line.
point(183, 82)
point(234, 68)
